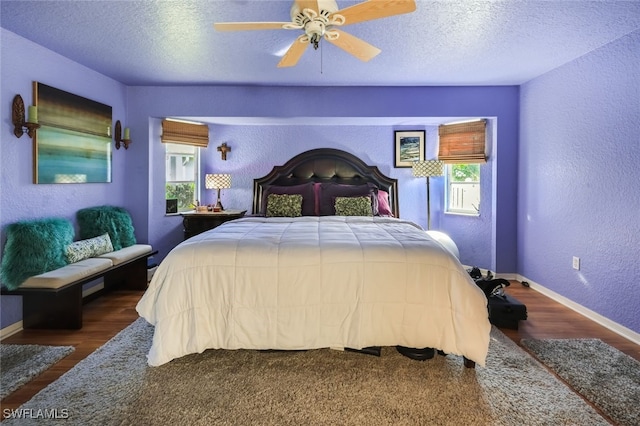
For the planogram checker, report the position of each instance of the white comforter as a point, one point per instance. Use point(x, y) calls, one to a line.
point(313, 282)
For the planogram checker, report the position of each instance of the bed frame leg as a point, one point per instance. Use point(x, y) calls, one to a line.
point(468, 363)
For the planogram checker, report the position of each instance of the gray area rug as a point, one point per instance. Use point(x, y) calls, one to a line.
point(608, 378)
point(114, 386)
point(21, 363)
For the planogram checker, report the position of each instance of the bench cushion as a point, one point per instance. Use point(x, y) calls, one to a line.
point(67, 274)
point(122, 255)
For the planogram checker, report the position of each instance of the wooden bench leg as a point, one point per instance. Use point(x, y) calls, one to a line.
point(61, 310)
point(131, 277)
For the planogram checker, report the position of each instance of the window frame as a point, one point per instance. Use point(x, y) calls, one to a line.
point(448, 197)
point(196, 173)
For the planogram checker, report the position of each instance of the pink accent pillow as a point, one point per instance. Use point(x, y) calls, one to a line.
point(383, 204)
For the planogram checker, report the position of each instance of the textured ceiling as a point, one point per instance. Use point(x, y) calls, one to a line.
point(442, 43)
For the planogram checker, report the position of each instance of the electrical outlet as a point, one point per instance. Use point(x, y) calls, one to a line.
point(576, 263)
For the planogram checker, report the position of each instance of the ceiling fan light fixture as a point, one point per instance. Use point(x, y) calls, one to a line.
point(319, 18)
point(315, 30)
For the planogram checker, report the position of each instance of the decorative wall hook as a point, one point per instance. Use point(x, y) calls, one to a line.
point(223, 150)
point(20, 125)
point(117, 135)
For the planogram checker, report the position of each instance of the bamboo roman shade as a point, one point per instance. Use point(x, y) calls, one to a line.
point(185, 133)
point(462, 143)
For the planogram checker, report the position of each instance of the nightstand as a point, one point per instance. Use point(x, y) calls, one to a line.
point(196, 223)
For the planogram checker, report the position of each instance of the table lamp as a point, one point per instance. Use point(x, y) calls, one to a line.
point(218, 181)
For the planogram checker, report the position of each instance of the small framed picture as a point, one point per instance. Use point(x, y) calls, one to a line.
point(172, 206)
point(409, 147)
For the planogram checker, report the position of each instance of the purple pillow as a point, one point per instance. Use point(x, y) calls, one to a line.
point(329, 192)
point(305, 189)
point(316, 197)
point(384, 209)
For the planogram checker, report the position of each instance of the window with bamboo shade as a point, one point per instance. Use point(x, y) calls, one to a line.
point(462, 143)
point(185, 133)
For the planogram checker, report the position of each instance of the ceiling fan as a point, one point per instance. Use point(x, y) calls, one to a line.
point(318, 19)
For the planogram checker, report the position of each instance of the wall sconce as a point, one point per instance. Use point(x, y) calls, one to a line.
point(20, 125)
point(117, 135)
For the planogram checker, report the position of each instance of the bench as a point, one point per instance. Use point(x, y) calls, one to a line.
point(53, 300)
point(47, 263)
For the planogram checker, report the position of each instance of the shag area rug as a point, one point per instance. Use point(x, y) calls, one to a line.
point(606, 377)
point(21, 363)
point(114, 386)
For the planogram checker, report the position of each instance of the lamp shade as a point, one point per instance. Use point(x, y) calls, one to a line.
point(427, 168)
point(217, 181)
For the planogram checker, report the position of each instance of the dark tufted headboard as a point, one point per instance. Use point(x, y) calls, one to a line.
point(326, 165)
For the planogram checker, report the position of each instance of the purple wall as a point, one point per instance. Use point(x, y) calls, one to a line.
point(257, 147)
point(22, 63)
point(579, 178)
point(138, 173)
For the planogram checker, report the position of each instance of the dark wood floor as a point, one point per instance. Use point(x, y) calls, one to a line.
point(107, 315)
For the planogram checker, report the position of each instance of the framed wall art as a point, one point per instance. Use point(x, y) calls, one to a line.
point(73, 143)
point(409, 147)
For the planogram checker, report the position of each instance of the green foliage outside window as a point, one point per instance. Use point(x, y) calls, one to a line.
point(465, 172)
point(184, 193)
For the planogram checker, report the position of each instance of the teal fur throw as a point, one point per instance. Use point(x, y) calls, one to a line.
point(115, 221)
point(34, 247)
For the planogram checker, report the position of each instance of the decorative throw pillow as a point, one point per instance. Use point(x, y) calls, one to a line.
point(116, 221)
point(353, 206)
point(91, 247)
point(34, 247)
point(283, 205)
point(306, 190)
point(384, 209)
point(330, 190)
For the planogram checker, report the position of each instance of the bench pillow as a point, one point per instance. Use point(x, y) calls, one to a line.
point(91, 247)
point(34, 247)
point(116, 221)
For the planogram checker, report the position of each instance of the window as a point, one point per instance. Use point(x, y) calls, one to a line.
point(463, 188)
point(183, 140)
point(462, 146)
point(181, 178)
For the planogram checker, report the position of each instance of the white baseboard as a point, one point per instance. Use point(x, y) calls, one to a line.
point(594, 316)
point(10, 330)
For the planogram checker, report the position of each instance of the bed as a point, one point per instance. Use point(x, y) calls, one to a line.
point(345, 272)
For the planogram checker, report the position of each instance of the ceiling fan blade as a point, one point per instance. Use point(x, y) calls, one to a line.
point(243, 26)
point(307, 4)
point(375, 9)
point(293, 55)
point(353, 45)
